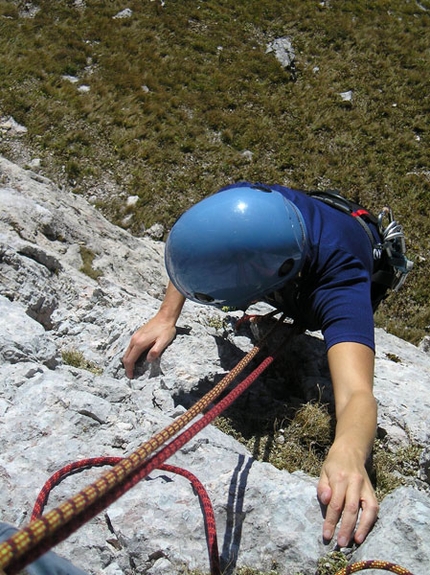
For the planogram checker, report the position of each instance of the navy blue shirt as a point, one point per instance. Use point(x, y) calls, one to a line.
point(333, 292)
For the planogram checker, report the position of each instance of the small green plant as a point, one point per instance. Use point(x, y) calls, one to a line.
point(392, 468)
point(238, 571)
point(393, 357)
point(87, 263)
point(246, 571)
point(251, 571)
point(215, 322)
point(331, 563)
point(76, 358)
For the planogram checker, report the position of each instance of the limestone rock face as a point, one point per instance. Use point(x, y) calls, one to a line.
point(53, 413)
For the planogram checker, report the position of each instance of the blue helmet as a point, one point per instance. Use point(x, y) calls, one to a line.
point(236, 246)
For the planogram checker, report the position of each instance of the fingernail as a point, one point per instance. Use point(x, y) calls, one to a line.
point(342, 541)
point(327, 534)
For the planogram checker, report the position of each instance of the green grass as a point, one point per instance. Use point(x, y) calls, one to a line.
point(329, 564)
point(88, 257)
point(287, 438)
point(178, 94)
point(76, 358)
point(393, 468)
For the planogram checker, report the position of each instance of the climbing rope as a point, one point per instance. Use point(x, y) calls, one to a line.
point(207, 509)
point(373, 564)
point(46, 531)
point(84, 464)
point(42, 534)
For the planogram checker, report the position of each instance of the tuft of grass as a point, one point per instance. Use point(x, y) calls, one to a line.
point(393, 468)
point(296, 442)
point(240, 571)
point(88, 256)
point(304, 442)
point(216, 322)
point(300, 440)
point(331, 563)
point(251, 571)
point(76, 358)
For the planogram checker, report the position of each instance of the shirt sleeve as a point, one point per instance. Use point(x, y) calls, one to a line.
point(342, 302)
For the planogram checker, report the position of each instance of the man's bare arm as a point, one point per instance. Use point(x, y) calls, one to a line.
point(344, 485)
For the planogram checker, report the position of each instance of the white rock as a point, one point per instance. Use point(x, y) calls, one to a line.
point(71, 79)
point(126, 13)
point(346, 96)
point(9, 124)
point(35, 163)
point(132, 200)
point(283, 49)
point(155, 232)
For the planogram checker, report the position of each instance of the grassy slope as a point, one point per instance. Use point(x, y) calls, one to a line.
point(211, 93)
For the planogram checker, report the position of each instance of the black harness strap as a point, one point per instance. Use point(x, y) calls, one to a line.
point(383, 272)
point(334, 199)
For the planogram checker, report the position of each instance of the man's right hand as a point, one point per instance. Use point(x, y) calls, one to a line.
point(154, 336)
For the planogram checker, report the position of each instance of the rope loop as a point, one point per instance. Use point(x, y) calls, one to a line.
point(84, 464)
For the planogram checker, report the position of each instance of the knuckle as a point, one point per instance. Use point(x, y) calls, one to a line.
point(336, 508)
point(351, 507)
point(374, 508)
point(134, 339)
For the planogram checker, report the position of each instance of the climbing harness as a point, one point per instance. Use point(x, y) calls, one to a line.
point(394, 245)
point(46, 531)
point(390, 264)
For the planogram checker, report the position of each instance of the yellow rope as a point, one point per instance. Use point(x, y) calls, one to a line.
point(373, 564)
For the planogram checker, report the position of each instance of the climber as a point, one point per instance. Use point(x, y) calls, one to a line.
point(313, 258)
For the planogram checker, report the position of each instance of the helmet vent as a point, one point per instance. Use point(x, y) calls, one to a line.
point(204, 298)
point(286, 268)
point(262, 188)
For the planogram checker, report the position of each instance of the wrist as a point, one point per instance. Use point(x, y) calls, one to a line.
point(167, 315)
point(345, 448)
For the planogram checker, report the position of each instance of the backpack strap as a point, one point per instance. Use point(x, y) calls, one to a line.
point(390, 264)
point(334, 199)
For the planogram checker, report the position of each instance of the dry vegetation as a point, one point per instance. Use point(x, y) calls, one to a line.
point(177, 94)
point(296, 438)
